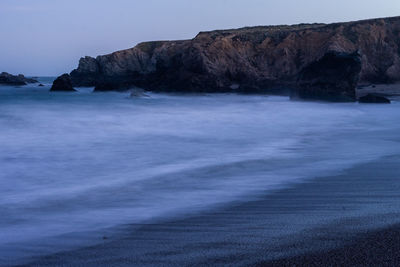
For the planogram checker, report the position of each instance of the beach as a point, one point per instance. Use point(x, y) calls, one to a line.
point(348, 219)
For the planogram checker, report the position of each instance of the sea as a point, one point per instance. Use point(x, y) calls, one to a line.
point(74, 166)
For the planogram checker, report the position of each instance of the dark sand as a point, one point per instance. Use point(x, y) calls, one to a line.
point(380, 248)
point(336, 215)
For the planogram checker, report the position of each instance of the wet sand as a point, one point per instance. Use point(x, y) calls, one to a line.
point(324, 221)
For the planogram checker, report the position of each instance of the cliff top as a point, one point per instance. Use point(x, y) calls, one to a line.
point(253, 31)
point(294, 27)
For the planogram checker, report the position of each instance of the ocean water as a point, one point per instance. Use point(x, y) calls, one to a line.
point(78, 163)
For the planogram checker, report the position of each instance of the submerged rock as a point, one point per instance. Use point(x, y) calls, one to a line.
point(62, 84)
point(8, 79)
point(373, 98)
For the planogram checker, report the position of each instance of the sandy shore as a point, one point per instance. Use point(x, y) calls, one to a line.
point(328, 220)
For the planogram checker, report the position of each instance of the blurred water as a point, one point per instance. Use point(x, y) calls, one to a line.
point(87, 161)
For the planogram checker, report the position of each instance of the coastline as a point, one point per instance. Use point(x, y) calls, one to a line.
point(167, 146)
point(322, 214)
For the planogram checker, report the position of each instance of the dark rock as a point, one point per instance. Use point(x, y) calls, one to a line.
point(8, 79)
point(87, 74)
point(40, 85)
point(63, 83)
point(27, 80)
point(373, 98)
point(264, 59)
point(334, 77)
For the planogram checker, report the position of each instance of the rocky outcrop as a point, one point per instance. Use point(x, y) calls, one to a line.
point(333, 77)
point(88, 72)
point(309, 60)
point(8, 79)
point(62, 84)
point(373, 98)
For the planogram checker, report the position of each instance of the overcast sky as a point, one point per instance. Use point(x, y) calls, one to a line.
point(47, 37)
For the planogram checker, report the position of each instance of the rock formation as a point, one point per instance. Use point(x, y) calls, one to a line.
point(308, 60)
point(8, 79)
point(62, 84)
point(333, 77)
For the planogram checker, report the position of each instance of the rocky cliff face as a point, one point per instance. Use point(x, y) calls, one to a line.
point(311, 60)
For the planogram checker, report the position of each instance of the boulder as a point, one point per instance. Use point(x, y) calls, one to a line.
point(62, 84)
point(373, 98)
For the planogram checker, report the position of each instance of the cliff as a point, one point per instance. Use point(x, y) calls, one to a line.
point(309, 60)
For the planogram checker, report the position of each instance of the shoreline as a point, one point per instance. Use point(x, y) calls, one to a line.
point(322, 214)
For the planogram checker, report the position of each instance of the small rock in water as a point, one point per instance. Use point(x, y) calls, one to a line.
point(40, 85)
point(372, 98)
point(63, 83)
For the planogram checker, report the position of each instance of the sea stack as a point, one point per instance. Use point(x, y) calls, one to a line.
point(62, 84)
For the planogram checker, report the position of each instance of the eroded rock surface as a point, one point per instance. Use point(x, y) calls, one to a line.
point(312, 60)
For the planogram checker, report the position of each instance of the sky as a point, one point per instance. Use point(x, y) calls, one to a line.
point(47, 37)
